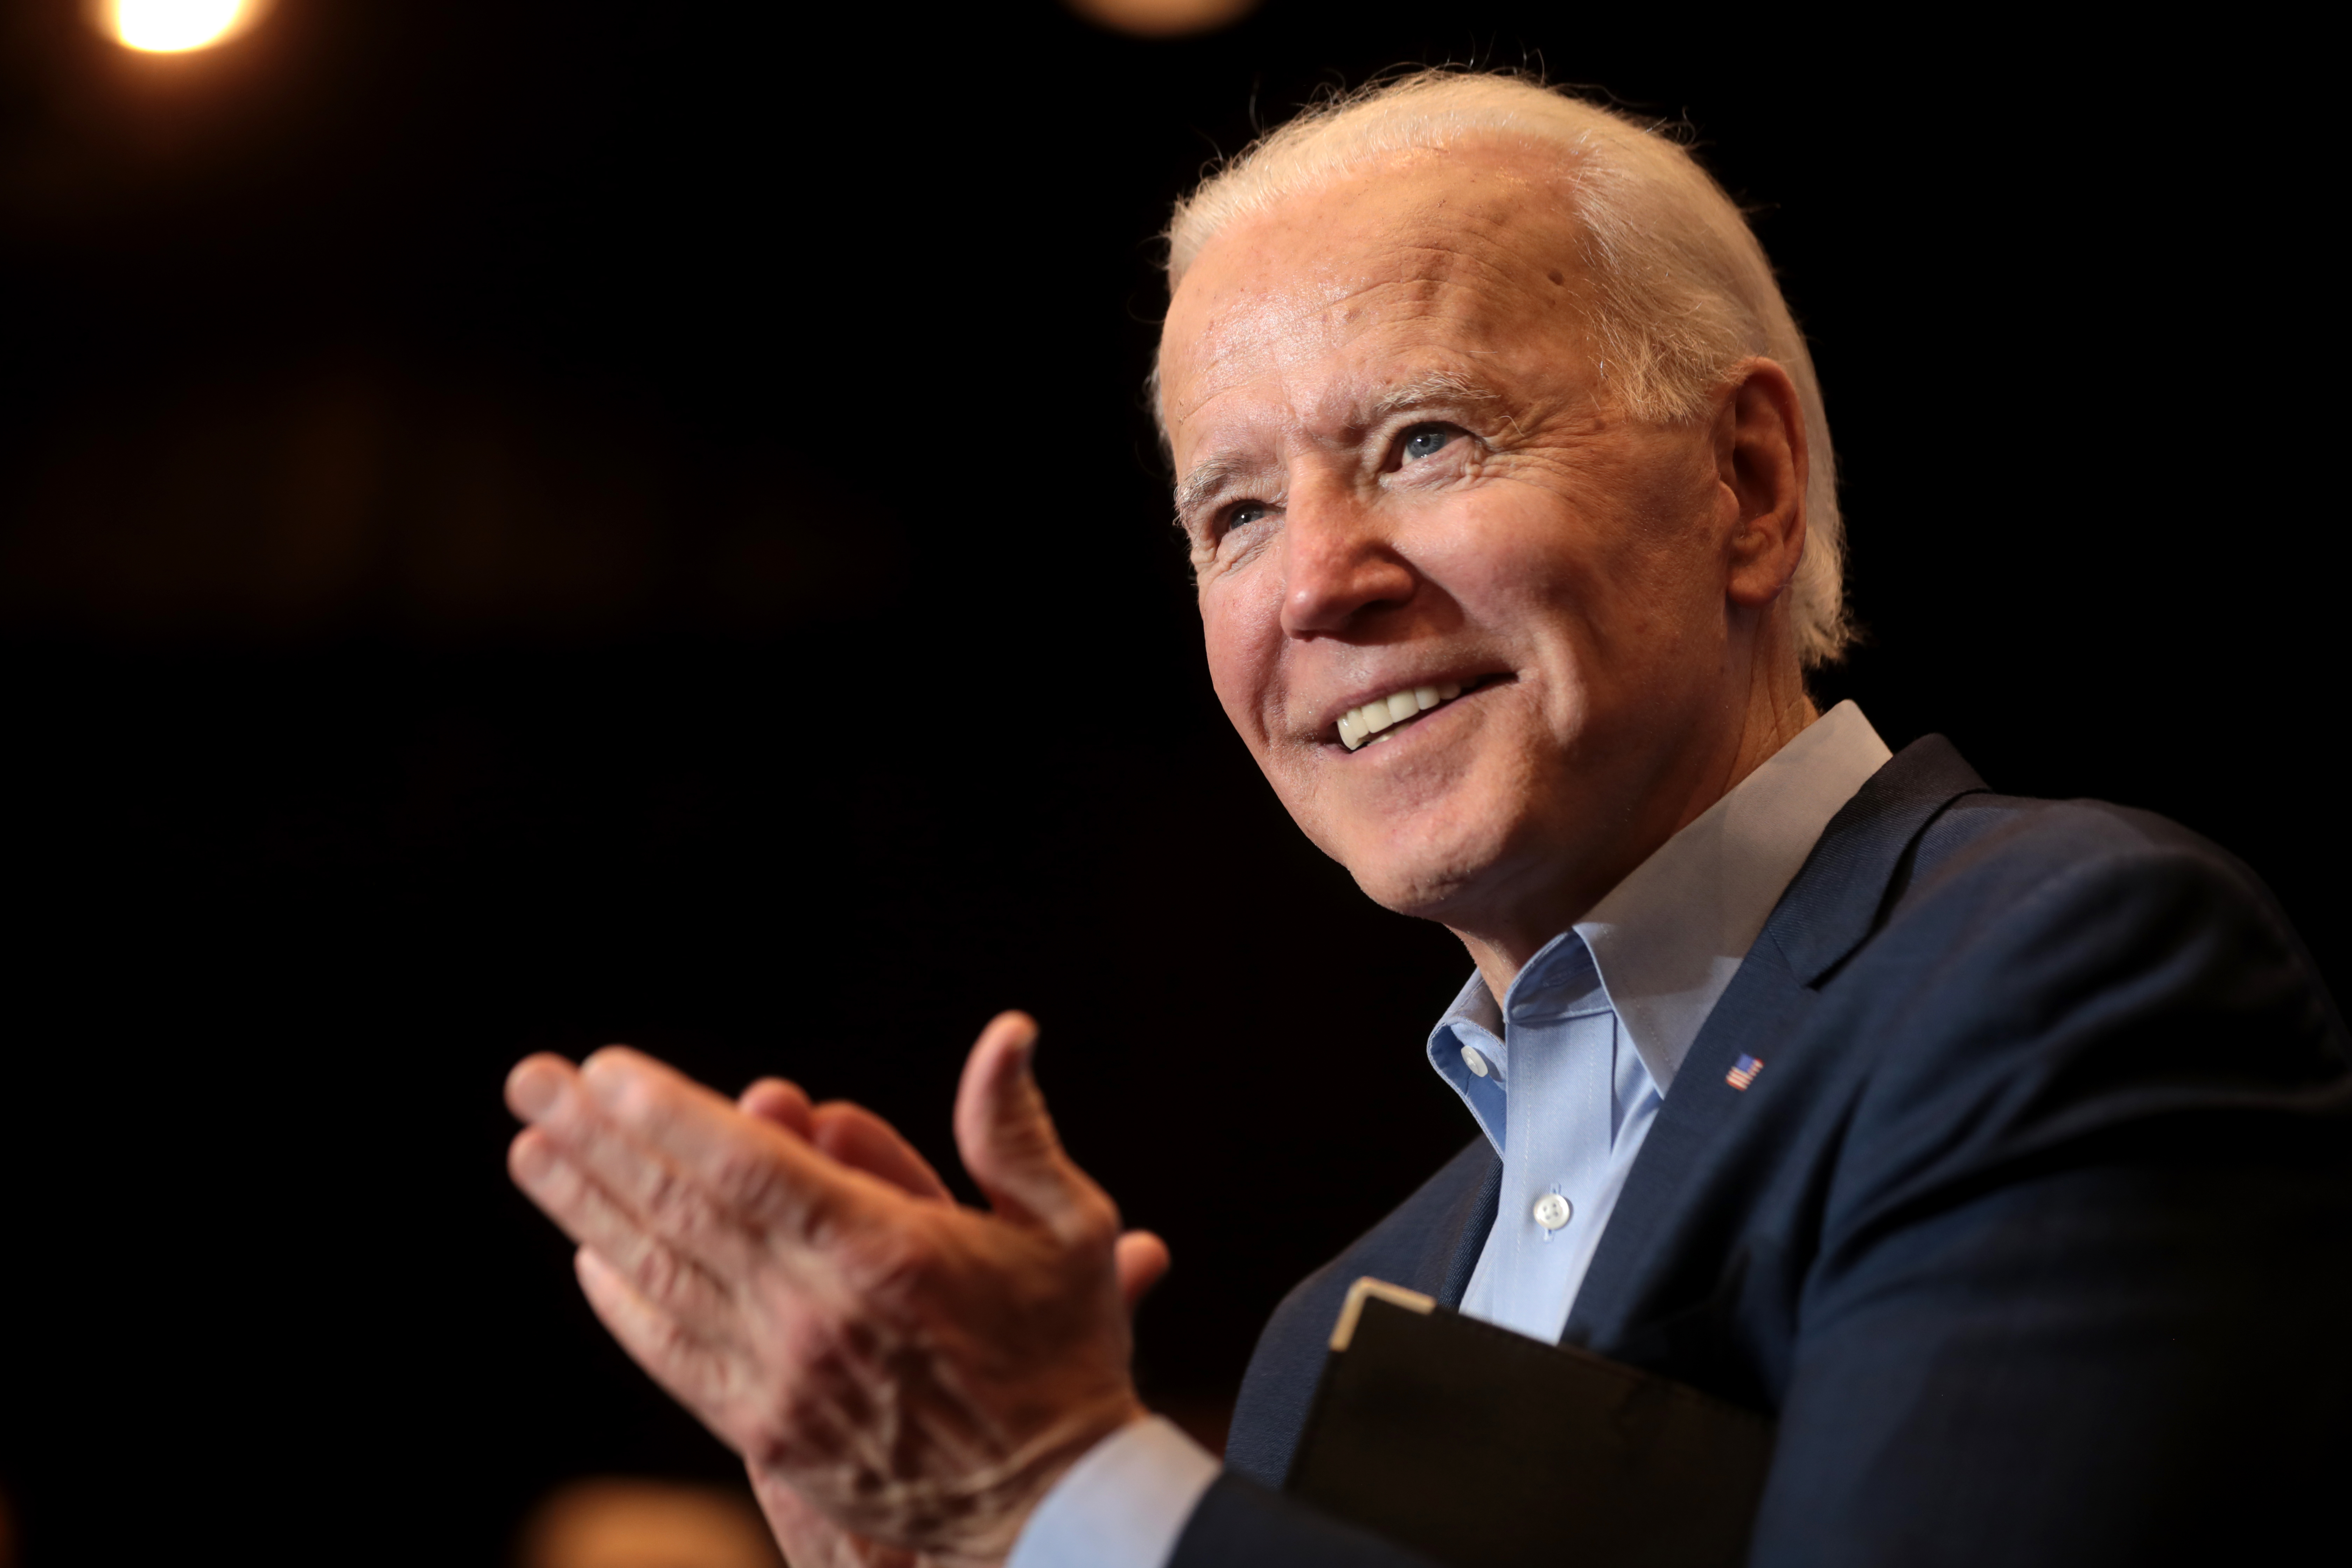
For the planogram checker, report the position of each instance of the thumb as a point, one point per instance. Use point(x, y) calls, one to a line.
point(1009, 1145)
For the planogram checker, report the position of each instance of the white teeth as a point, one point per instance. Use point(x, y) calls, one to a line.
point(1360, 726)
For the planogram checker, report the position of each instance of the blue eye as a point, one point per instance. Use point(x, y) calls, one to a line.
point(1242, 516)
point(1424, 440)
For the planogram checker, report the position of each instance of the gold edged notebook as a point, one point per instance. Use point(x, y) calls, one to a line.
point(1484, 1448)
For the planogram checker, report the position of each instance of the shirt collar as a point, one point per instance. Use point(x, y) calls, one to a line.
point(1473, 1022)
point(1667, 940)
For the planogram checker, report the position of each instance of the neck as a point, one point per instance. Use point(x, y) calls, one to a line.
point(1778, 710)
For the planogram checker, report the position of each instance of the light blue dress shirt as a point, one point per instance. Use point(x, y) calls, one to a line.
point(1566, 1101)
point(1564, 1076)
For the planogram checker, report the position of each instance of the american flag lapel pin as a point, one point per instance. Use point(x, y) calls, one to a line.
point(1743, 1072)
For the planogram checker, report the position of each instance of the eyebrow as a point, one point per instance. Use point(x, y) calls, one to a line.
point(1196, 487)
point(1430, 386)
point(1193, 490)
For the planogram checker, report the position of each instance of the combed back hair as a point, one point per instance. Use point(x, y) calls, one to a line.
point(1681, 291)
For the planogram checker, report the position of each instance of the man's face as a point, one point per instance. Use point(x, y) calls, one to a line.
point(1400, 471)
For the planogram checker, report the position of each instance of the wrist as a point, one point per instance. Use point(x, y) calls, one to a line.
point(967, 1520)
point(1039, 1465)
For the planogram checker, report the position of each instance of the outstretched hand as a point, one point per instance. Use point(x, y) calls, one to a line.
point(904, 1377)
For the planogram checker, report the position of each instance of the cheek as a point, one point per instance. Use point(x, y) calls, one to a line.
point(1513, 563)
point(1241, 627)
point(1618, 549)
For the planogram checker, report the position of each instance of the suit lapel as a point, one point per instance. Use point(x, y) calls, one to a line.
point(1454, 1247)
point(1429, 1242)
point(1830, 908)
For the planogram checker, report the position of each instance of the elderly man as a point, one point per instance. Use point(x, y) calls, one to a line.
point(1994, 1146)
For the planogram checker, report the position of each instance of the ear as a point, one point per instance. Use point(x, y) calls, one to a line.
point(1760, 462)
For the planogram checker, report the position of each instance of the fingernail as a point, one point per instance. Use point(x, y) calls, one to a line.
point(533, 1088)
point(532, 1159)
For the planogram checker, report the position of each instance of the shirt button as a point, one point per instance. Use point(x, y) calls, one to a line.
point(1476, 1062)
point(1552, 1211)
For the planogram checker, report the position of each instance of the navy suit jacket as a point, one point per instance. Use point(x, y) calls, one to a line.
point(2034, 1232)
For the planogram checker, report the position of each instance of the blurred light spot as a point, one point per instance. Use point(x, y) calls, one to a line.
point(175, 26)
point(624, 1524)
point(1163, 18)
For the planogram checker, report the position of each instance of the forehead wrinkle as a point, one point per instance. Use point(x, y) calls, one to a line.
point(1478, 290)
point(1455, 279)
point(1488, 283)
point(1277, 346)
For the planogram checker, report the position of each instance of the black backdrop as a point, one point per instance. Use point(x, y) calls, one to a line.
point(530, 524)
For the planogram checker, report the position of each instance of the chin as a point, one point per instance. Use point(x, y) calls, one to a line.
point(1429, 876)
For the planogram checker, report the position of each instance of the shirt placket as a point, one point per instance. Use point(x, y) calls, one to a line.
point(1560, 1052)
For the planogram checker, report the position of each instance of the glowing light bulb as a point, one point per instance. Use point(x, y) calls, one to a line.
point(175, 26)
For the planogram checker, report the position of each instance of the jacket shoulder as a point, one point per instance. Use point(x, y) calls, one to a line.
point(2012, 837)
point(2045, 971)
point(2111, 884)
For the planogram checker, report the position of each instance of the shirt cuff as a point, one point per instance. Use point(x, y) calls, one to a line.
point(1123, 1505)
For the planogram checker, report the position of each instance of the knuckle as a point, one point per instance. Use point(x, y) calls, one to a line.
point(1094, 1221)
point(892, 1259)
point(745, 1178)
point(677, 1348)
point(891, 1265)
point(660, 1278)
point(665, 1195)
point(675, 1201)
point(677, 1211)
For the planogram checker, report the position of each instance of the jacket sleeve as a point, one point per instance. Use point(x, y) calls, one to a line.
point(2085, 1254)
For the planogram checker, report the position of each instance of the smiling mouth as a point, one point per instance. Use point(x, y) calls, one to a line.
point(1384, 716)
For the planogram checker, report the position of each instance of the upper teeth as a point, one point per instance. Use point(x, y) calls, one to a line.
point(1358, 725)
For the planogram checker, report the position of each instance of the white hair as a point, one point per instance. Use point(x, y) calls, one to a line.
point(1681, 290)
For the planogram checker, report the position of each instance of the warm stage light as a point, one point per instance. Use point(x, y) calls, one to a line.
point(1163, 18)
point(175, 26)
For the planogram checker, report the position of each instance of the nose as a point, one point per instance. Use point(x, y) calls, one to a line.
point(1339, 565)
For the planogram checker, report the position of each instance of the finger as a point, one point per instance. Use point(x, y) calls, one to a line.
point(857, 1138)
point(848, 1132)
point(695, 1373)
point(745, 1164)
point(778, 1100)
point(677, 1283)
point(1140, 1258)
point(535, 1083)
point(657, 1196)
point(1009, 1145)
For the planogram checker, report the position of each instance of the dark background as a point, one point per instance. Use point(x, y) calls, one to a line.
point(528, 524)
